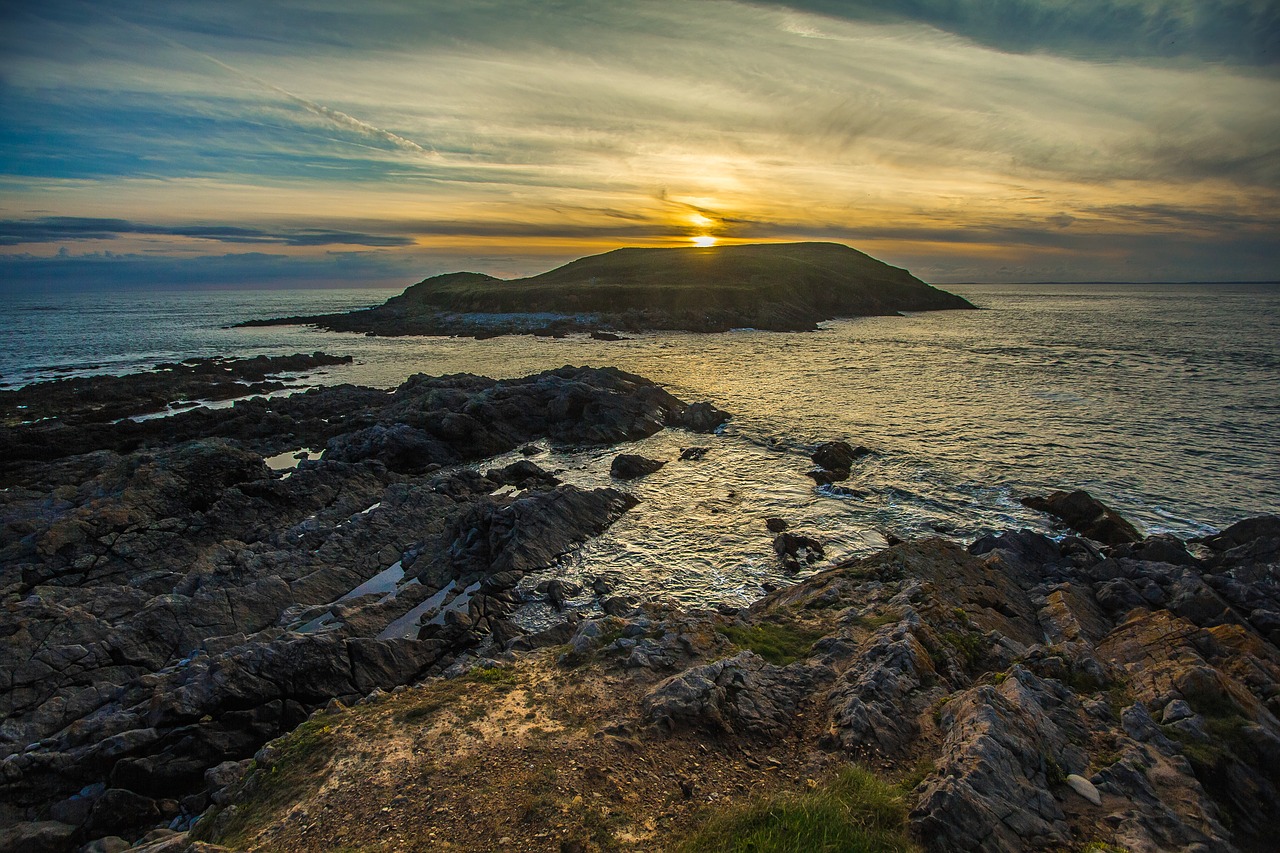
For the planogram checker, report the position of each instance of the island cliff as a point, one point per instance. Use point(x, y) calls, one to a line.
point(775, 286)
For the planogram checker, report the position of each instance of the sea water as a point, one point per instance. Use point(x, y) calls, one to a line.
point(1161, 400)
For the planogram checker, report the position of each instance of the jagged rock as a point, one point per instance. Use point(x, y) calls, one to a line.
point(869, 700)
point(399, 446)
point(521, 534)
point(792, 548)
point(523, 475)
point(558, 592)
point(693, 454)
point(1003, 746)
point(701, 417)
point(738, 694)
point(628, 466)
point(1086, 515)
point(556, 635)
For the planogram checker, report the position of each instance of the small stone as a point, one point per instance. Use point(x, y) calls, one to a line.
point(1176, 710)
point(1084, 788)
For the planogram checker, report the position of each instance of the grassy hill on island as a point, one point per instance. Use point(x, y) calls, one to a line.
point(777, 286)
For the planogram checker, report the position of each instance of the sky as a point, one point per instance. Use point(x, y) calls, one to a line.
point(318, 142)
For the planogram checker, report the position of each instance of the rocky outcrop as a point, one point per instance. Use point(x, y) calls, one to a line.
point(426, 421)
point(102, 399)
point(629, 466)
point(170, 608)
point(1060, 691)
point(1087, 516)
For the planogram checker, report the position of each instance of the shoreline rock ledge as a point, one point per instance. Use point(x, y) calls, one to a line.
point(771, 286)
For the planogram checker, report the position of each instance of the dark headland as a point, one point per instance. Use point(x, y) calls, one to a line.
point(773, 286)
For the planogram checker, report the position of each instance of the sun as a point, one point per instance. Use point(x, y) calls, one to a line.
point(705, 241)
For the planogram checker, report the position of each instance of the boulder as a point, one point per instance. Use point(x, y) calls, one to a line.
point(1086, 515)
point(701, 417)
point(838, 455)
point(629, 466)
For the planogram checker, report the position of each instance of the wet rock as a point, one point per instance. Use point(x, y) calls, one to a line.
point(629, 466)
point(838, 455)
point(109, 844)
point(775, 525)
point(559, 591)
point(519, 535)
point(693, 454)
point(797, 550)
point(618, 605)
point(701, 417)
point(523, 475)
point(1086, 515)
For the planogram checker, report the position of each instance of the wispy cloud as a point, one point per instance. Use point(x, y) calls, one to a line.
point(61, 229)
point(523, 127)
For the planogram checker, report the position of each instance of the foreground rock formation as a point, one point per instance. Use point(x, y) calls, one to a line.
point(1020, 694)
point(173, 606)
point(201, 650)
point(778, 286)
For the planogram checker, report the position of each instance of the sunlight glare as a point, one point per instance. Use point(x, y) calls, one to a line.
point(704, 241)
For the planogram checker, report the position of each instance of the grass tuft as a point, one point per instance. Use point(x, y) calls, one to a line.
point(854, 813)
point(777, 642)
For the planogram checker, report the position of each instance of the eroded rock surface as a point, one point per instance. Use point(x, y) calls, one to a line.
point(172, 603)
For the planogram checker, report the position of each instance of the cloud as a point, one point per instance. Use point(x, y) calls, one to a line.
point(571, 127)
point(57, 229)
point(106, 270)
point(1238, 31)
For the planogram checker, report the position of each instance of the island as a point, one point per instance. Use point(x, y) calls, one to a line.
point(771, 286)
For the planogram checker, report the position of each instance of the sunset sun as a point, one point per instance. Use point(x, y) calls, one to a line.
point(704, 240)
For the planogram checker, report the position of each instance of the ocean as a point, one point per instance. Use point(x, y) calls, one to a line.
point(1161, 400)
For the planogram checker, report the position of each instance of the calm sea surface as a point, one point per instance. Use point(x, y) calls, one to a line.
point(1162, 400)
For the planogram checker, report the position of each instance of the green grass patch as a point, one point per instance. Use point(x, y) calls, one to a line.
point(854, 813)
point(970, 645)
point(779, 643)
point(301, 758)
point(879, 620)
point(496, 675)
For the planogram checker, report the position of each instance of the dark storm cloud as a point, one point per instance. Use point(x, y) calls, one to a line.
point(57, 229)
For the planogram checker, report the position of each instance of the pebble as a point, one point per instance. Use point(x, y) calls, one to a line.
point(1084, 788)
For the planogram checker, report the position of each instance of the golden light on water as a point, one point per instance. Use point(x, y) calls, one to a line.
point(704, 240)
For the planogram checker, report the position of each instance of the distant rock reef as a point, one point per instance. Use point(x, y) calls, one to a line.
point(772, 286)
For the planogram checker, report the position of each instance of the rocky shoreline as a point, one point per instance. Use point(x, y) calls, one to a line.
point(186, 626)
